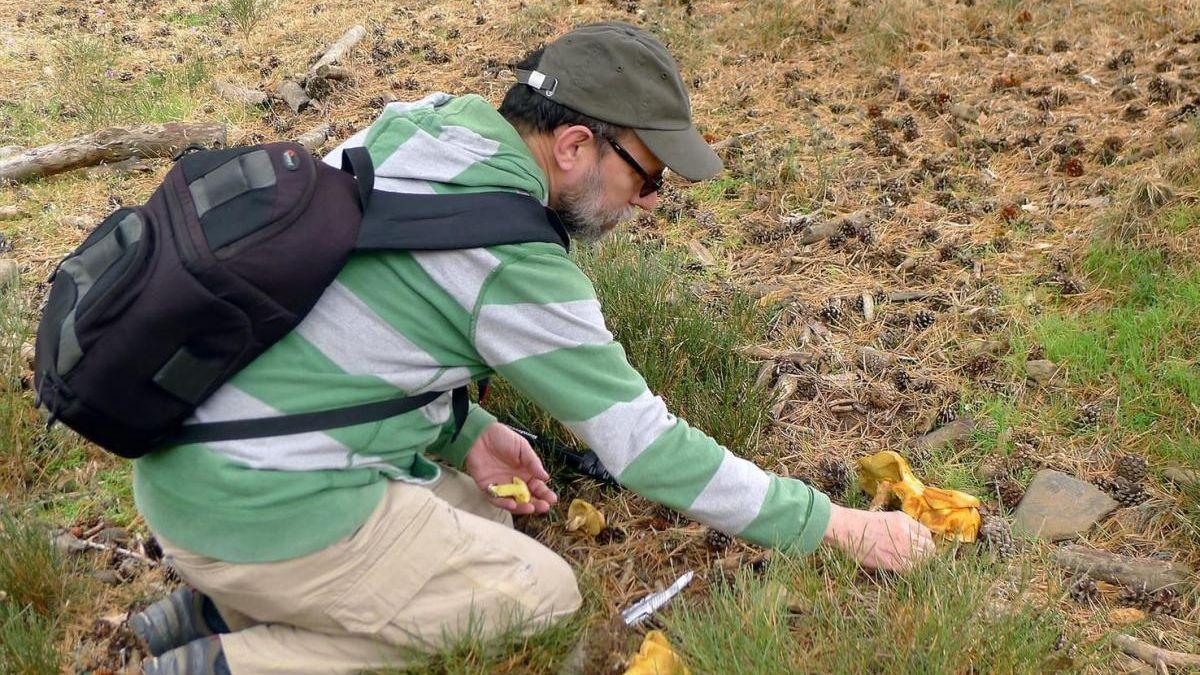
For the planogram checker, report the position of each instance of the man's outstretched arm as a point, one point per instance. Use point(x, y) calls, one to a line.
point(539, 325)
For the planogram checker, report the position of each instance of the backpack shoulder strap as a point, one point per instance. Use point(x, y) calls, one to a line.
point(418, 222)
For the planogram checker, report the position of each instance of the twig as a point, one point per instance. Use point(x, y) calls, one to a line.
point(97, 546)
point(1155, 656)
point(956, 430)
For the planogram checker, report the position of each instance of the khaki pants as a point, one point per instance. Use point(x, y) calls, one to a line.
point(429, 561)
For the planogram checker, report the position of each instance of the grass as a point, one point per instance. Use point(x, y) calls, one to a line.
point(951, 615)
point(1143, 343)
point(36, 586)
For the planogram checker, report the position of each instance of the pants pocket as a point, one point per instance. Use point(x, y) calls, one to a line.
point(399, 556)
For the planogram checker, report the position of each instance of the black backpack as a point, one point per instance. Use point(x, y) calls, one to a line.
point(164, 302)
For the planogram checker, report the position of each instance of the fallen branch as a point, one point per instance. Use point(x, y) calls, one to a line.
point(1155, 656)
point(293, 94)
point(1182, 476)
point(110, 145)
point(233, 92)
point(10, 150)
point(1136, 572)
point(814, 233)
point(339, 48)
point(332, 73)
point(954, 431)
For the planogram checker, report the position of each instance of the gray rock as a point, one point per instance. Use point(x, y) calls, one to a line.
point(1040, 370)
point(10, 271)
point(1057, 506)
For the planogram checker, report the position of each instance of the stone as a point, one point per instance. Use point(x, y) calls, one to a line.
point(1040, 370)
point(11, 213)
point(10, 271)
point(1057, 506)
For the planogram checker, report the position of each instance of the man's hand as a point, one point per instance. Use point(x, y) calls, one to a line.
point(885, 540)
point(501, 453)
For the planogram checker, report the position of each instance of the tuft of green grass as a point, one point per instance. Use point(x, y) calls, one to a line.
point(246, 15)
point(27, 642)
point(825, 615)
point(686, 350)
point(33, 574)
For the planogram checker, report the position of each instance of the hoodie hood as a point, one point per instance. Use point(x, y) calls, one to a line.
point(445, 144)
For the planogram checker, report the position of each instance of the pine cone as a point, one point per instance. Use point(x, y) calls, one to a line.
point(993, 295)
point(1070, 286)
point(1088, 416)
point(890, 338)
point(930, 235)
point(947, 414)
point(716, 540)
point(831, 311)
point(996, 534)
point(1009, 492)
point(833, 477)
point(1128, 493)
point(923, 319)
point(1165, 601)
point(1083, 590)
point(866, 234)
point(1134, 596)
point(979, 365)
point(848, 230)
point(901, 379)
point(1131, 467)
point(836, 240)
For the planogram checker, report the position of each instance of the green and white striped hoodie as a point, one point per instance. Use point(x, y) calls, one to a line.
point(403, 323)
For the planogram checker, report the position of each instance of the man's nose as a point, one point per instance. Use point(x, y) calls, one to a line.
point(646, 203)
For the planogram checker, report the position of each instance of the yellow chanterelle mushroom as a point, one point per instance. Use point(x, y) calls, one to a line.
point(517, 489)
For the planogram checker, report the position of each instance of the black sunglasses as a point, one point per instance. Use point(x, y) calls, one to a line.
point(650, 184)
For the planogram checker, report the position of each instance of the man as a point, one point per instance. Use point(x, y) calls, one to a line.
point(338, 551)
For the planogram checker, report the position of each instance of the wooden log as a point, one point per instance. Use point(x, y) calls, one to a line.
point(111, 145)
point(233, 92)
point(333, 73)
point(1135, 572)
point(818, 231)
point(956, 430)
point(293, 94)
point(1155, 656)
point(7, 150)
point(314, 138)
point(338, 50)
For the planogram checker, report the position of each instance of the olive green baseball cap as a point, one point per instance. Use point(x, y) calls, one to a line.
point(621, 74)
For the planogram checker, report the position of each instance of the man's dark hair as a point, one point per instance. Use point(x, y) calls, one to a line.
point(530, 112)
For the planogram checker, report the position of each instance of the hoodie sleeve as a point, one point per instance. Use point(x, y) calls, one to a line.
point(538, 324)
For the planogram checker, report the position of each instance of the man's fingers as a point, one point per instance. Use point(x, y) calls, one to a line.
point(540, 490)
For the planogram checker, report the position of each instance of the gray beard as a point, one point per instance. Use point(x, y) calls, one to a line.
point(583, 213)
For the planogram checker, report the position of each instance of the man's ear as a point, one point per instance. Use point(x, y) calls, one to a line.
point(572, 144)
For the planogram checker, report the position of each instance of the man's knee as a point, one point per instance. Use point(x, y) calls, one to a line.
point(557, 588)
